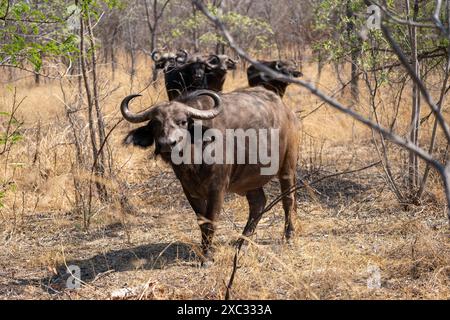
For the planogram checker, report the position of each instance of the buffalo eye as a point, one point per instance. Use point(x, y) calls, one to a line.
point(182, 123)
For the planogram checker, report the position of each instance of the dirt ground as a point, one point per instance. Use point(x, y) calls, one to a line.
point(353, 240)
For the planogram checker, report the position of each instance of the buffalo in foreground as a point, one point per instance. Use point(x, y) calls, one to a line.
point(171, 125)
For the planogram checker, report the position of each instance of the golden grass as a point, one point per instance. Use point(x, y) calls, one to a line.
point(346, 226)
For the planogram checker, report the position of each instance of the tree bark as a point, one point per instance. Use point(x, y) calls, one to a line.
point(413, 168)
point(354, 47)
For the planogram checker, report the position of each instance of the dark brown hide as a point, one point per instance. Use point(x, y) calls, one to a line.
point(206, 185)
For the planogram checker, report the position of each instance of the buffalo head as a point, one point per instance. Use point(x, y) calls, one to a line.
point(216, 71)
point(259, 78)
point(288, 68)
point(169, 122)
point(221, 63)
point(169, 59)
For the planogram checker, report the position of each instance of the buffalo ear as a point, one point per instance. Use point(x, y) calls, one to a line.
point(141, 137)
point(297, 74)
point(231, 64)
point(214, 60)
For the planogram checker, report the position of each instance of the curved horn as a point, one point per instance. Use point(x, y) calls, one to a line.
point(156, 55)
point(184, 52)
point(213, 65)
point(134, 117)
point(231, 64)
point(182, 56)
point(205, 114)
point(278, 66)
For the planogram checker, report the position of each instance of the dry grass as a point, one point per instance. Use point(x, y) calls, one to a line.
point(347, 226)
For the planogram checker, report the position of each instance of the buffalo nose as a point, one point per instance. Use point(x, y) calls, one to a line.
point(172, 142)
point(167, 144)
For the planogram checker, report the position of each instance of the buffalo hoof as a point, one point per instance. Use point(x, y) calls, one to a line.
point(289, 236)
point(207, 264)
point(207, 259)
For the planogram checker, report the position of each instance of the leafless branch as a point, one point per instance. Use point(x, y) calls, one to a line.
point(434, 108)
point(406, 143)
point(392, 16)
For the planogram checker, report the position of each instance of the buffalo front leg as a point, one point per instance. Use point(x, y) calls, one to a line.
point(208, 220)
point(256, 203)
point(198, 205)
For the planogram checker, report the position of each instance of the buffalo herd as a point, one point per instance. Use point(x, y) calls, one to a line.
point(185, 73)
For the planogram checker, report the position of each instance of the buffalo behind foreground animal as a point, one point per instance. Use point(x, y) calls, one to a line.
point(205, 185)
point(258, 78)
point(185, 73)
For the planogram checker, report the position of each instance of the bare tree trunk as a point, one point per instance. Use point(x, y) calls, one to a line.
point(92, 103)
point(446, 178)
point(153, 23)
point(413, 168)
point(354, 53)
point(195, 31)
point(100, 120)
point(132, 54)
point(151, 29)
point(113, 52)
point(424, 180)
point(37, 79)
point(319, 65)
point(220, 47)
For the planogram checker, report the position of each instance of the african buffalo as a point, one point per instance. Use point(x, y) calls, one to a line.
point(258, 78)
point(171, 127)
point(185, 73)
point(216, 72)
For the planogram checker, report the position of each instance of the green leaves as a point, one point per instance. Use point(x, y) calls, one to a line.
point(19, 10)
point(8, 138)
point(253, 33)
point(12, 139)
point(116, 4)
point(4, 188)
point(32, 33)
point(36, 32)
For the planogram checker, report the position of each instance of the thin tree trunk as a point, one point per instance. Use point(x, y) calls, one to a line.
point(90, 100)
point(132, 56)
point(354, 53)
point(424, 180)
point(151, 29)
point(446, 179)
point(195, 30)
point(413, 168)
point(100, 120)
point(113, 52)
point(220, 47)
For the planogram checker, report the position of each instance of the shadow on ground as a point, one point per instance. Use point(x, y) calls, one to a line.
point(332, 191)
point(144, 257)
